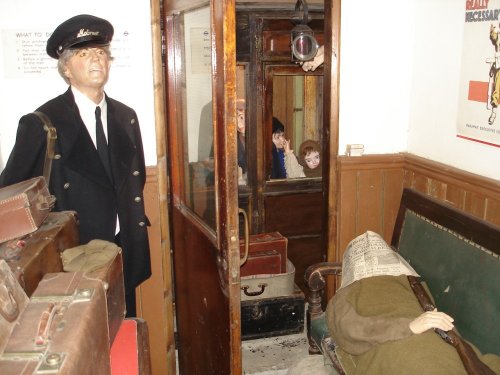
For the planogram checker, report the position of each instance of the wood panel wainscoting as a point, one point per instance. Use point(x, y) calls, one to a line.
point(370, 189)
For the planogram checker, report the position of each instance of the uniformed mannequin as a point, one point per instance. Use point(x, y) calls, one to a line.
point(109, 203)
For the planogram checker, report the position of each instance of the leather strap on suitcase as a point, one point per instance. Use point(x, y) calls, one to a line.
point(51, 142)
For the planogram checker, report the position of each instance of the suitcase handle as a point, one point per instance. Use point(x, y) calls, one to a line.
point(46, 203)
point(45, 324)
point(256, 293)
point(9, 308)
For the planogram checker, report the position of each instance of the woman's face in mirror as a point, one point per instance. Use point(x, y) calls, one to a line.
point(279, 139)
point(312, 159)
point(240, 120)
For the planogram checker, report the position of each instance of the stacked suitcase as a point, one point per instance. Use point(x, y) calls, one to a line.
point(51, 321)
point(271, 303)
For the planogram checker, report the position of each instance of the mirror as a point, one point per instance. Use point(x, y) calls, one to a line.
point(294, 118)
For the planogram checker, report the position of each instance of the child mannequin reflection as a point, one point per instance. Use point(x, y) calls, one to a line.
point(242, 158)
point(309, 162)
point(278, 152)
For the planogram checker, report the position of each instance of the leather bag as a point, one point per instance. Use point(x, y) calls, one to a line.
point(24, 206)
point(272, 241)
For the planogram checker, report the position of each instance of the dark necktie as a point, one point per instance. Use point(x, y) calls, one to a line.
point(101, 144)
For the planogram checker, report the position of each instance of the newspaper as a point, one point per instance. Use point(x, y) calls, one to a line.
point(369, 255)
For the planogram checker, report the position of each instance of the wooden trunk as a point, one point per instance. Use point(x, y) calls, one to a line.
point(269, 317)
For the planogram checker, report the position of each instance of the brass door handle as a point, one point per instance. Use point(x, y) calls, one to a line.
point(245, 219)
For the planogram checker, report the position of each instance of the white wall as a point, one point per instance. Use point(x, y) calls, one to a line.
point(376, 67)
point(131, 77)
point(400, 71)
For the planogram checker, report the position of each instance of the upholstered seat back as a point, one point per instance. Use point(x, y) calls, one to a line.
point(463, 277)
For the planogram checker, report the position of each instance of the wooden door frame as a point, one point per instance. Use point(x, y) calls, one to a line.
point(331, 128)
point(161, 172)
point(331, 115)
point(218, 256)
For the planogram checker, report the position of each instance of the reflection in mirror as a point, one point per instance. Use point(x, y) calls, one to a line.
point(241, 141)
point(296, 126)
point(241, 128)
point(198, 124)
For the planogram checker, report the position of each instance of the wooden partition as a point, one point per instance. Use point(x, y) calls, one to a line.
point(370, 189)
point(155, 296)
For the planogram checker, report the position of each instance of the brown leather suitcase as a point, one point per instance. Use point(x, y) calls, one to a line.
point(13, 301)
point(38, 253)
point(23, 207)
point(112, 277)
point(261, 262)
point(265, 242)
point(63, 329)
point(101, 260)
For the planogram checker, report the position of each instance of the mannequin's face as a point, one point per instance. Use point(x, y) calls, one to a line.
point(240, 121)
point(312, 159)
point(279, 139)
point(88, 69)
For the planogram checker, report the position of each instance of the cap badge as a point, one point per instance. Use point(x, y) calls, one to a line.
point(87, 32)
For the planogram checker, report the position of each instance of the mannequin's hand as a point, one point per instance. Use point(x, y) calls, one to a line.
point(431, 319)
point(286, 146)
point(317, 61)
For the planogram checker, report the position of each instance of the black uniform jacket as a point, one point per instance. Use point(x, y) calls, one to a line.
point(79, 180)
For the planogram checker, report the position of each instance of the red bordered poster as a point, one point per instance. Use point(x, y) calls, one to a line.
point(479, 96)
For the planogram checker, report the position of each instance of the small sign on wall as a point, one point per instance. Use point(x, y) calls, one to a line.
point(201, 51)
point(479, 92)
point(24, 53)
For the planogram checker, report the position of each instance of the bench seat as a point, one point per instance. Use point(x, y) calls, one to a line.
point(457, 255)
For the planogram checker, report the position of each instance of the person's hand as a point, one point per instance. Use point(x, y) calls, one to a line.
point(431, 319)
point(319, 58)
point(286, 146)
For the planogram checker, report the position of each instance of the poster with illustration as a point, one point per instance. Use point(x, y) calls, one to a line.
point(479, 95)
